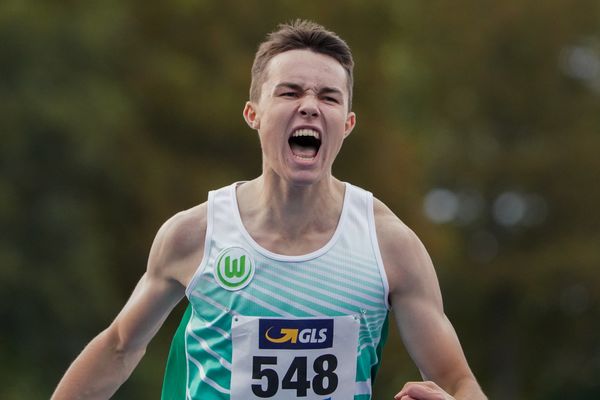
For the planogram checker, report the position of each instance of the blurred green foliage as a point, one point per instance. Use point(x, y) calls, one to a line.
point(478, 123)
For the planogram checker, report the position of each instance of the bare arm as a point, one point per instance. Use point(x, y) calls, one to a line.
point(109, 359)
point(418, 309)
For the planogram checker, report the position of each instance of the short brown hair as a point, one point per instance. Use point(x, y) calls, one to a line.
point(298, 35)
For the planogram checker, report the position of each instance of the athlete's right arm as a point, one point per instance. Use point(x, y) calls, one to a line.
point(108, 360)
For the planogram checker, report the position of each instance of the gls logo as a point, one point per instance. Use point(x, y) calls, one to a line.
point(291, 335)
point(295, 334)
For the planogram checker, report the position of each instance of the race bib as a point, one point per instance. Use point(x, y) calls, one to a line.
point(285, 359)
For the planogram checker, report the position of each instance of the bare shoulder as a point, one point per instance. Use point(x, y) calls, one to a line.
point(395, 238)
point(389, 226)
point(404, 256)
point(179, 245)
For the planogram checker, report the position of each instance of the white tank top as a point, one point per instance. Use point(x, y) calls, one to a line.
point(265, 325)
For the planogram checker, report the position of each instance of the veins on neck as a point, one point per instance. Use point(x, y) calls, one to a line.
point(284, 217)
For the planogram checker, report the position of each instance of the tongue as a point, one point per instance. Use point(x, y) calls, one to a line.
point(303, 151)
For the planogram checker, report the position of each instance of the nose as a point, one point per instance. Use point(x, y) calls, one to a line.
point(309, 107)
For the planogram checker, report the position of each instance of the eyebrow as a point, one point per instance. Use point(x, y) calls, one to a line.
point(297, 87)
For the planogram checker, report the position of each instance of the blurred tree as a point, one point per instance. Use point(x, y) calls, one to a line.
point(477, 124)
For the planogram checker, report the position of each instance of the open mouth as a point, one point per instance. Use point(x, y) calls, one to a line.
point(305, 143)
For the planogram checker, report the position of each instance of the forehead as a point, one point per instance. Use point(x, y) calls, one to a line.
point(307, 69)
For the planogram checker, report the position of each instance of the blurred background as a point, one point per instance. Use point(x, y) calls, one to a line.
point(478, 124)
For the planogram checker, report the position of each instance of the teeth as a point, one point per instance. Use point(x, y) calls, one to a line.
point(306, 132)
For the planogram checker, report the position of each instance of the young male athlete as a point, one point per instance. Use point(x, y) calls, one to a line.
point(289, 276)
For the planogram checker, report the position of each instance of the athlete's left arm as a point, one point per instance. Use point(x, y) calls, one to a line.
point(417, 305)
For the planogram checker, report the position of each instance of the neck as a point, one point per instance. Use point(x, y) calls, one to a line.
point(271, 205)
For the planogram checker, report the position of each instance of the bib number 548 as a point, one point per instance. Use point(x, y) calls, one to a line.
point(324, 382)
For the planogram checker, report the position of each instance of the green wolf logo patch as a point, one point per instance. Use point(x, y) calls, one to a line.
point(234, 268)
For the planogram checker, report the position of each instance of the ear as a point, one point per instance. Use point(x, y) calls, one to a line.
point(251, 116)
point(350, 123)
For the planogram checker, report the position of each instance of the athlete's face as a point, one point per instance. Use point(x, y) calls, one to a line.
point(302, 116)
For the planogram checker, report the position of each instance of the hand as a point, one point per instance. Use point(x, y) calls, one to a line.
point(422, 391)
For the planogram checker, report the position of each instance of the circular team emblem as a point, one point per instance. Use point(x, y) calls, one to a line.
point(234, 268)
